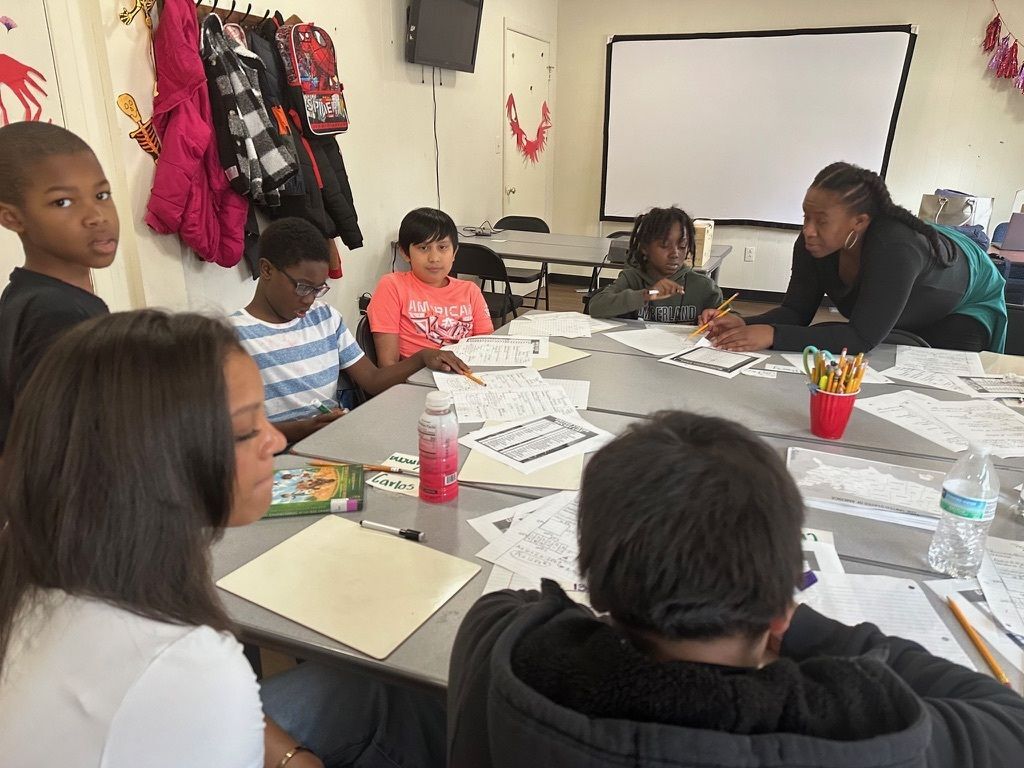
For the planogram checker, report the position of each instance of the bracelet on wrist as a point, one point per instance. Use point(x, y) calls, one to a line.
point(292, 753)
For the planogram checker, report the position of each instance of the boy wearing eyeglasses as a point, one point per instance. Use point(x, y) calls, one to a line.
point(301, 344)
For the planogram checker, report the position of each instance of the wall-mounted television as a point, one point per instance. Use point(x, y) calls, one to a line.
point(444, 33)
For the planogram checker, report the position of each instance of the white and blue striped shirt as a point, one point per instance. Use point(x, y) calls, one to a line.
point(299, 360)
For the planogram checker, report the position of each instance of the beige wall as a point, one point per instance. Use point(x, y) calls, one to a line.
point(389, 150)
point(958, 127)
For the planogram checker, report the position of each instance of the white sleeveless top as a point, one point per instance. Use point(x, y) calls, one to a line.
point(88, 684)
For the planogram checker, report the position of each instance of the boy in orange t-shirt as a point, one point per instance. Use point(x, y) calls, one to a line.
point(425, 308)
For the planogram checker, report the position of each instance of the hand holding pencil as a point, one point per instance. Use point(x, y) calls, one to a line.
point(709, 316)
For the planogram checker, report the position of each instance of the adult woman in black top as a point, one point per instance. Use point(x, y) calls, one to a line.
point(883, 268)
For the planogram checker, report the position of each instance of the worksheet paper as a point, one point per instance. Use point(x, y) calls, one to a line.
point(949, 361)
point(655, 341)
point(500, 351)
point(570, 326)
point(494, 524)
point(516, 378)
point(897, 606)
point(717, 362)
point(984, 422)
point(927, 378)
point(563, 476)
point(871, 489)
point(899, 408)
point(969, 598)
point(784, 368)
point(542, 546)
point(484, 404)
point(530, 444)
point(1002, 580)
point(994, 386)
point(578, 390)
point(871, 376)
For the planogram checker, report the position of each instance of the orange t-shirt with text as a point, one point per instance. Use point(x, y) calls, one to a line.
point(425, 317)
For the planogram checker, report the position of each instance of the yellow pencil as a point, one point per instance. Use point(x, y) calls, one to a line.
point(727, 302)
point(701, 329)
point(972, 633)
point(474, 379)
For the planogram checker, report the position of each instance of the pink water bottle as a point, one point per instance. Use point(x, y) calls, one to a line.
point(439, 449)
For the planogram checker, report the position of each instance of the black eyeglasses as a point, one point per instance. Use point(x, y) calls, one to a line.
point(305, 289)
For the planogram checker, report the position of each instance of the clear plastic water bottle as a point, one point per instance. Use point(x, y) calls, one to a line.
point(969, 496)
point(439, 449)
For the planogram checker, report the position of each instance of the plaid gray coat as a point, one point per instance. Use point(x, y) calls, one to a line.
point(261, 162)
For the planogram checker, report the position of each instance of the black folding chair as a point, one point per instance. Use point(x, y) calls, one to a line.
point(481, 262)
point(527, 275)
point(618, 249)
point(906, 338)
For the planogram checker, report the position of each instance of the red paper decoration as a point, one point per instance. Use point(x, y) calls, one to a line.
point(1003, 62)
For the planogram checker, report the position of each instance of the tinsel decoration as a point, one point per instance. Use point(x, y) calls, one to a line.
point(1008, 66)
point(997, 58)
point(992, 34)
point(1019, 82)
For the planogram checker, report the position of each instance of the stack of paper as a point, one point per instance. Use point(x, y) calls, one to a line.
point(952, 424)
point(532, 541)
point(1002, 580)
point(871, 489)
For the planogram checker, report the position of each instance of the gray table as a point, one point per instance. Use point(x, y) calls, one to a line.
point(388, 423)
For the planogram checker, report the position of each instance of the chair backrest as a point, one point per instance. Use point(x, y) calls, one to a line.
point(479, 261)
point(522, 224)
point(364, 338)
point(906, 338)
point(620, 233)
point(1015, 329)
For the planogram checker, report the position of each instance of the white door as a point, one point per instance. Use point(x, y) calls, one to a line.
point(527, 125)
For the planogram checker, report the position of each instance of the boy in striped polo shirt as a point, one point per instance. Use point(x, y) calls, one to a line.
point(301, 344)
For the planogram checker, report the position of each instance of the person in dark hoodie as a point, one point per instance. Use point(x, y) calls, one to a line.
point(689, 541)
point(658, 283)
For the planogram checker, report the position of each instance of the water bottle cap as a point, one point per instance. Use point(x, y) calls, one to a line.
point(438, 400)
point(979, 449)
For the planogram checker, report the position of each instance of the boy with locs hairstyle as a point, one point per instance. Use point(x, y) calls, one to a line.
point(689, 539)
point(56, 198)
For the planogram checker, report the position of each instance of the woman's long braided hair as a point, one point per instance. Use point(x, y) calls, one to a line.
point(863, 191)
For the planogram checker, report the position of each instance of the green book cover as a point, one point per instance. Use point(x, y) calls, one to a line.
point(316, 490)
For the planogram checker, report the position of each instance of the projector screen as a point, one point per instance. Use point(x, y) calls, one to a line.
point(734, 126)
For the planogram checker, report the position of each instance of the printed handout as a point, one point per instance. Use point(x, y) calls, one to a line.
point(718, 362)
point(949, 361)
point(531, 444)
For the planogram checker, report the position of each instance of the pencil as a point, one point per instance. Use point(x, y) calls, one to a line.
point(701, 329)
point(972, 633)
point(727, 302)
point(474, 379)
point(386, 468)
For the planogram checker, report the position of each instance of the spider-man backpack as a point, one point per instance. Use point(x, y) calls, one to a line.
point(311, 70)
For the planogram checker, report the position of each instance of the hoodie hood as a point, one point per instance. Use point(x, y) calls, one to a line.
point(567, 689)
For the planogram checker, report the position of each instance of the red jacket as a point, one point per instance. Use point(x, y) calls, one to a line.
point(190, 194)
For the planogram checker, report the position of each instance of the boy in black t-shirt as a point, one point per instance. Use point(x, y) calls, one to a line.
point(55, 197)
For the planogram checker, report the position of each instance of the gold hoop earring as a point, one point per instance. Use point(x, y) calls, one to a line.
point(853, 234)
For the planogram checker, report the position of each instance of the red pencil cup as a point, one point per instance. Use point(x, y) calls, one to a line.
point(830, 413)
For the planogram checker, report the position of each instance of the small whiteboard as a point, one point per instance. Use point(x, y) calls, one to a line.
point(734, 126)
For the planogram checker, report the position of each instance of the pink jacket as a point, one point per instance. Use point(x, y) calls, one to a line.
point(190, 194)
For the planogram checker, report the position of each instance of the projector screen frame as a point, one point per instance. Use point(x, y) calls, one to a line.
point(909, 29)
